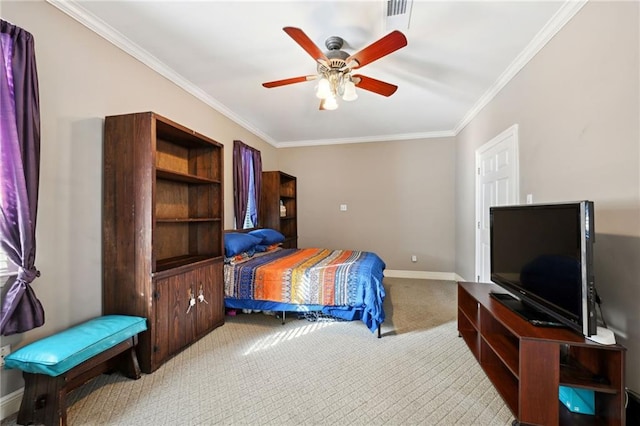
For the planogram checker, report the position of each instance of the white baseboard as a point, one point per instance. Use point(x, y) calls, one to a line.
point(10, 404)
point(459, 278)
point(422, 275)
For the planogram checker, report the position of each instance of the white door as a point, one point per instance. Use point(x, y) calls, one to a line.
point(497, 173)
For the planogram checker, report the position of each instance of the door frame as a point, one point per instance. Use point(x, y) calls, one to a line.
point(508, 136)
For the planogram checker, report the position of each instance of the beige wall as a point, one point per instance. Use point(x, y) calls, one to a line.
point(399, 197)
point(577, 107)
point(82, 79)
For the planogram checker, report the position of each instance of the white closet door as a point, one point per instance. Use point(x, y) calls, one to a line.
point(497, 184)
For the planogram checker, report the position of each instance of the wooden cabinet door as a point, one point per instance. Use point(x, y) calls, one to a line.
point(174, 318)
point(178, 322)
point(210, 310)
point(217, 294)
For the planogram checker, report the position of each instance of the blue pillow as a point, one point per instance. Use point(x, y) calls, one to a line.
point(268, 236)
point(261, 248)
point(236, 243)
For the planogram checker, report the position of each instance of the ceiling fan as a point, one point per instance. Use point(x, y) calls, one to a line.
point(335, 67)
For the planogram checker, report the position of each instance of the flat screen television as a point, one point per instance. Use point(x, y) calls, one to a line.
point(543, 254)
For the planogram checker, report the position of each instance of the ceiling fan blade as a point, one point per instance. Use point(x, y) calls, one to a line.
point(305, 42)
point(375, 86)
point(390, 43)
point(286, 81)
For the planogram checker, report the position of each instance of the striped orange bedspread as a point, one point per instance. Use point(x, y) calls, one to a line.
point(309, 277)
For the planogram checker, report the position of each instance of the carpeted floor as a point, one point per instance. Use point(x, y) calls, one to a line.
point(255, 371)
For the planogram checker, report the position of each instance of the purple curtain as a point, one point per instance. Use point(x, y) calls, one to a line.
point(242, 157)
point(19, 175)
point(257, 172)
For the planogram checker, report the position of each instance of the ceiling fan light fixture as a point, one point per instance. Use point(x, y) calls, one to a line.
point(349, 91)
point(323, 90)
point(330, 103)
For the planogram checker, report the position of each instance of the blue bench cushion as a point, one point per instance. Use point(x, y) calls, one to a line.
point(62, 351)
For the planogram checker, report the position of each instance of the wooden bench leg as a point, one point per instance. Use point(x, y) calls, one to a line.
point(127, 364)
point(44, 400)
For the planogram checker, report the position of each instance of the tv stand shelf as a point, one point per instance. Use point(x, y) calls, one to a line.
point(527, 364)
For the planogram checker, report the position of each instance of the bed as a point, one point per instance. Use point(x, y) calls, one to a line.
point(343, 284)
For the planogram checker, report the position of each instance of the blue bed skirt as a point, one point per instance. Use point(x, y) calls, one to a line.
point(347, 313)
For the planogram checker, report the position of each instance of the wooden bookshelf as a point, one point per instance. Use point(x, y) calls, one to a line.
point(162, 231)
point(279, 187)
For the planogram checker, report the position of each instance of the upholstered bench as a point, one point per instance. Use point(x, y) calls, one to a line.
point(55, 365)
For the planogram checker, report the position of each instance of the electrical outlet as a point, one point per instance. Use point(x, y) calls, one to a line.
point(4, 351)
point(414, 258)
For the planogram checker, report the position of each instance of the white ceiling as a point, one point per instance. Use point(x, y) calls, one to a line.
point(459, 54)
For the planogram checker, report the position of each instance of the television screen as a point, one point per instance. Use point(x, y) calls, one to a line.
point(542, 253)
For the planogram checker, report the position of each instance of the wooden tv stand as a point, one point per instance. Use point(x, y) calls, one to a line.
point(527, 364)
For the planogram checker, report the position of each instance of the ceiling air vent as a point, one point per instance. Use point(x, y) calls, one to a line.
point(398, 13)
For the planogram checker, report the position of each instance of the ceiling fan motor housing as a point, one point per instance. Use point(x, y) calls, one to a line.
point(337, 58)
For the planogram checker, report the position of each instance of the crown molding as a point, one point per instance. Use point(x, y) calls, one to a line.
point(381, 138)
point(555, 24)
point(110, 34)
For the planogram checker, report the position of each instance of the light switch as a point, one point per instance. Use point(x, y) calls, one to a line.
point(343, 207)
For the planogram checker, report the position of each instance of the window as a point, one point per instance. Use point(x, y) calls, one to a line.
point(247, 177)
point(250, 218)
point(6, 267)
